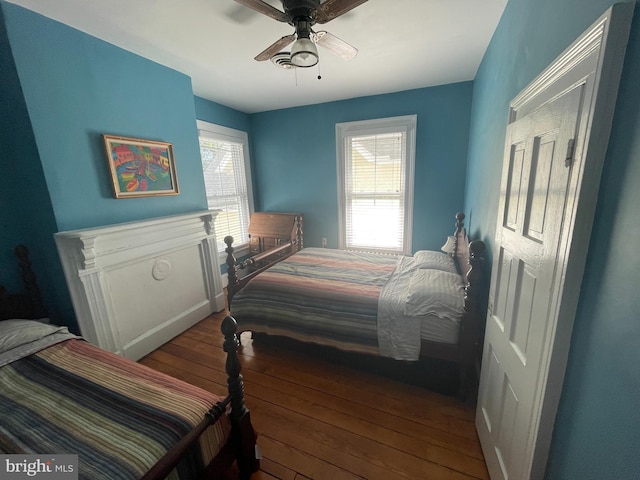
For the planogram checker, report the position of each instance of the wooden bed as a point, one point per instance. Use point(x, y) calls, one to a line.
point(268, 300)
point(122, 419)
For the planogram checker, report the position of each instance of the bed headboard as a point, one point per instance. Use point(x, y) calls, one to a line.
point(467, 256)
point(27, 304)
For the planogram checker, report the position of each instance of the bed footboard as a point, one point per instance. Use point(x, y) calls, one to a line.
point(242, 444)
point(265, 260)
point(243, 437)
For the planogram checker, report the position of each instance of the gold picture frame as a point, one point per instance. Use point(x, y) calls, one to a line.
point(141, 168)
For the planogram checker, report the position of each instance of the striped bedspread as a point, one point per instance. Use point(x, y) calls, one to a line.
point(120, 417)
point(318, 295)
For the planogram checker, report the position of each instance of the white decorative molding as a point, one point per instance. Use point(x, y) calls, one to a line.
point(136, 285)
point(161, 269)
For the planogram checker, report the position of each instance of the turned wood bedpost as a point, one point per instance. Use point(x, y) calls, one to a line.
point(476, 260)
point(470, 332)
point(456, 234)
point(299, 233)
point(246, 448)
point(232, 271)
point(30, 282)
point(243, 438)
point(459, 222)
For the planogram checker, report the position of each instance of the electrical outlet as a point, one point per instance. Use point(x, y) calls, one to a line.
point(324, 242)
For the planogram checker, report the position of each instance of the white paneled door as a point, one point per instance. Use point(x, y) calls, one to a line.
point(532, 203)
point(554, 151)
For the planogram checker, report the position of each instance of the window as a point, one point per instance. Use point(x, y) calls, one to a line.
point(375, 183)
point(227, 178)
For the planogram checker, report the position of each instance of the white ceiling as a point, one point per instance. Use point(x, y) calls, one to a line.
point(403, 44)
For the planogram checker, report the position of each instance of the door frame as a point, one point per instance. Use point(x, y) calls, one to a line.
point(595, 59)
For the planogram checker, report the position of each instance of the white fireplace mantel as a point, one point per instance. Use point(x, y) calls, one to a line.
point(136, 285)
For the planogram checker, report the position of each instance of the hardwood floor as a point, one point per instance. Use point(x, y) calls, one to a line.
point(322, 414)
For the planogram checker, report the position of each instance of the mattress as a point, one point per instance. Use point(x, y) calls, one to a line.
point(324, 296)
point(334, 298)
point(118, 416)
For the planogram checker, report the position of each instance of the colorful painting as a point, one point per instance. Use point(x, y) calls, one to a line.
point(141, 168)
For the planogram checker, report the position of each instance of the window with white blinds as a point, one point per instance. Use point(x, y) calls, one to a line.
point(227, 178)
point(375, 176)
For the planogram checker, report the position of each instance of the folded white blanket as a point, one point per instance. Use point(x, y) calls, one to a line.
point(398, 335)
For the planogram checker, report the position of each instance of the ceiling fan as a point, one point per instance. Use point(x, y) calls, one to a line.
point(303, 15)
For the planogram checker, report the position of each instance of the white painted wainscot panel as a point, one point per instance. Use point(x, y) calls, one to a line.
point(136, 285)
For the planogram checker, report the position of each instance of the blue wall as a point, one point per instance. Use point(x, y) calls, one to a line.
point(213, 112)
point(15, 133)
point(23, 190)
point(295, 157)
point(596, 434)
point(61, 89)
point(75, 88)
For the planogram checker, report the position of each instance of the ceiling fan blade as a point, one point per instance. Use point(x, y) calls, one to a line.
point(275, 47)
point(266, 9)
point(334, 8)
point(335, 45)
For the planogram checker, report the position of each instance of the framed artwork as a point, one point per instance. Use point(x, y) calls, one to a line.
point(141, 168)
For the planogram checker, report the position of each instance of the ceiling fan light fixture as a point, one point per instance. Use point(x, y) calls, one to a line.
point(304, 53)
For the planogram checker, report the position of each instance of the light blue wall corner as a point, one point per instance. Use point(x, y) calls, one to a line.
point(77, 88)
point(72, 88)
point(296, 159)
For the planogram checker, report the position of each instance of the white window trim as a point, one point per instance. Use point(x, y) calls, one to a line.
point(370, 127)
point(238, 136)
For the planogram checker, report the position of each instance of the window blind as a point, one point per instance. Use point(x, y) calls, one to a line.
point(375, 173)
point(223, 165)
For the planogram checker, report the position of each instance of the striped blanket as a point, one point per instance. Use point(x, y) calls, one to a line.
point(120, 417)
point(318, 295)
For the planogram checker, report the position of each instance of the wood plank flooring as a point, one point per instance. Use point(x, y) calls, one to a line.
point(323, 414)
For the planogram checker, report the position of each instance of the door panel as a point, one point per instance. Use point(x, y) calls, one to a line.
point(514, 187)
point(541, 179)
point(522, 320)
point(535, 184)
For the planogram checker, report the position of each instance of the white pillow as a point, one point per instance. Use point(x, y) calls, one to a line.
point(434, 292)
point(434, 260)
point(17, 332)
